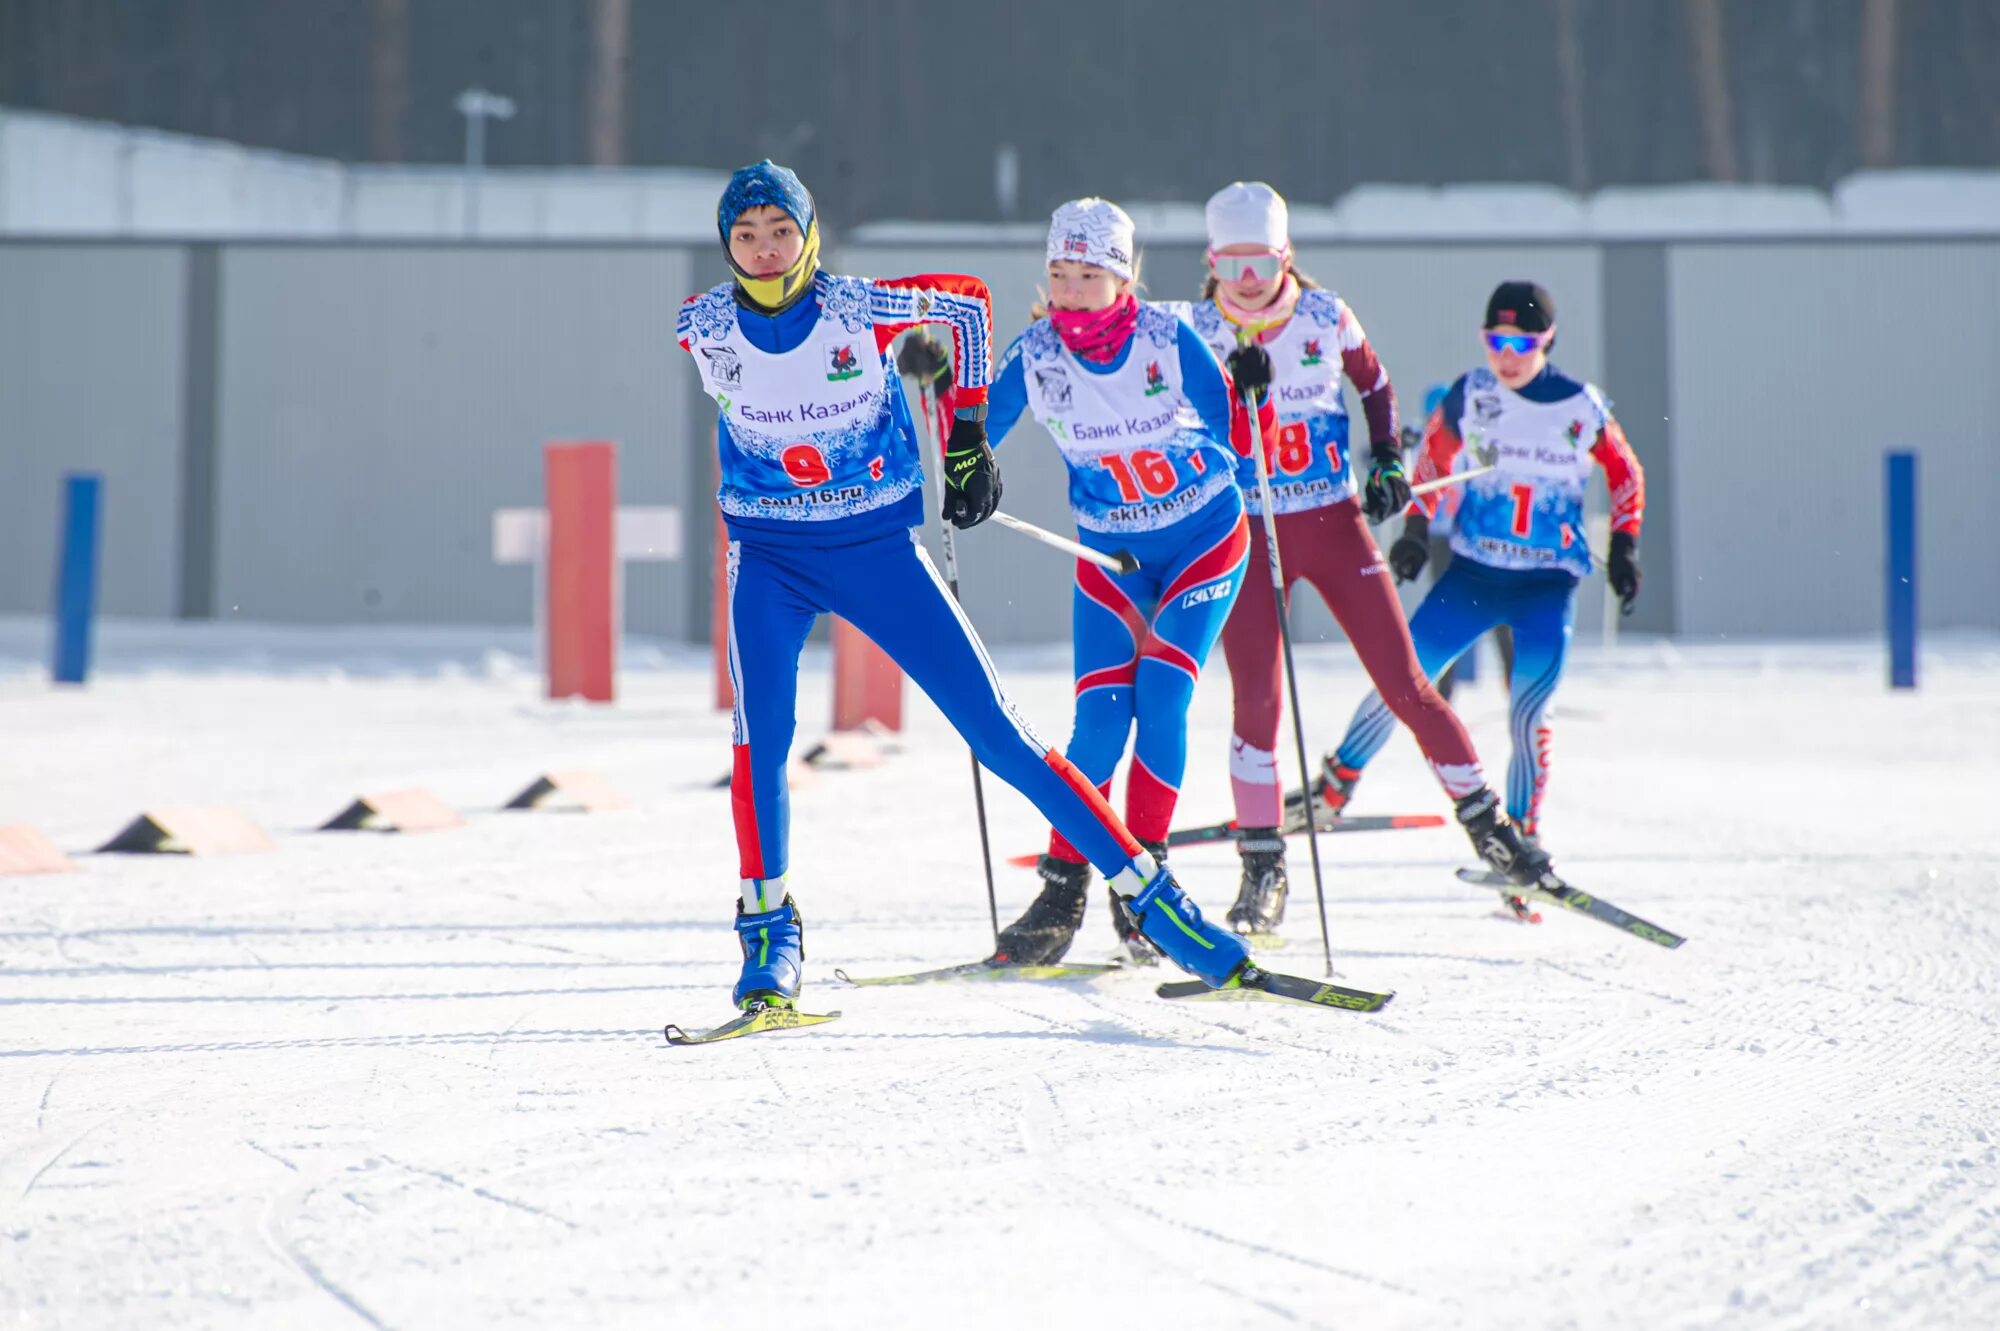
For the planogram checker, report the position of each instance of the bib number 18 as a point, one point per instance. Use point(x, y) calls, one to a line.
point(1295, 450)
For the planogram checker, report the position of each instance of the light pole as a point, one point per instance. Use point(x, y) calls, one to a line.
point(476, 105)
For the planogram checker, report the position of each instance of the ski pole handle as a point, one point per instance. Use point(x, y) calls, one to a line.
point(1120, 561)
point(929, 405)
point(1441, 482)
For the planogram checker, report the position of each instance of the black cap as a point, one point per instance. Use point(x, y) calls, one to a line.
point(1525, 305)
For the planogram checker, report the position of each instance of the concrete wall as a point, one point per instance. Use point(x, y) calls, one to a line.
point(377, 405)
point(1794, 367)
point(91, 368)
point(320, 432)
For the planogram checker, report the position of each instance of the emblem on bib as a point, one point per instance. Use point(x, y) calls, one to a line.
point(1313, 355)
point(725, 367)
point(842, 363)
point(1486, 407)
point(1155, 381)
point(1055, 388)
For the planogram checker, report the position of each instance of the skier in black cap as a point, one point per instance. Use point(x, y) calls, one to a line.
point(1518, 539)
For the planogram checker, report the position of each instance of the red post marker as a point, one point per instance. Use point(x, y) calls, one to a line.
point(582, 496)
point(867, 685)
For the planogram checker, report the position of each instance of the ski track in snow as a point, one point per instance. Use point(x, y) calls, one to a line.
point(416, 1082)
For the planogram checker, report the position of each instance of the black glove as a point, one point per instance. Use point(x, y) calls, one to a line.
point(971, 477)
point(923, 358)
point(1622, 568)
point(1412, 549)
point(1388, 490)
point(1250, 367)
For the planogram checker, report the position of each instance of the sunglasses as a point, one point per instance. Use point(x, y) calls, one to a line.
point(1266, 267)
point(1518, 343)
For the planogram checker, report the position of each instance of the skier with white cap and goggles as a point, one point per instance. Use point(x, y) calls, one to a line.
point(1255, 296)
point(1141, 414)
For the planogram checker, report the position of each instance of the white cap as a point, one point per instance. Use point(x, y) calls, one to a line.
point(1248, 213)
point(1094, 231)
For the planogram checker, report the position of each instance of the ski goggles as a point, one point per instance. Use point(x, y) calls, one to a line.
point(1521, 344)
point(1266, 267)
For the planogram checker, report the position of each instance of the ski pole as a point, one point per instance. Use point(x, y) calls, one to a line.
point(1291, 671)
point(951, 581)
point(1119, 561)
point(1456, 478)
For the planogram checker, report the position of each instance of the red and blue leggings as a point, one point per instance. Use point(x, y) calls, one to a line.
point(1140, 641)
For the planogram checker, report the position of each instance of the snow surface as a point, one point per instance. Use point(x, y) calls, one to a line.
point(419, 1082)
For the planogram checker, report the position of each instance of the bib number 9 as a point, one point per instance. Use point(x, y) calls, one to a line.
point(806, 466)
point(1143, 474)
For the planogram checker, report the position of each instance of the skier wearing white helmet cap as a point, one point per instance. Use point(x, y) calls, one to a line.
point(1142, 415)
point(1256, 296)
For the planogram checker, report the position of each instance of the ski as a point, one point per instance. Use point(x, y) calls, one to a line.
point(986, 970)
point(1271, 987)
point(1573, 898)
point(1294, 824)
point(753, 1022)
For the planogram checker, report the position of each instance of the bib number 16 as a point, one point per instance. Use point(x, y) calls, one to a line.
point(1145, 473)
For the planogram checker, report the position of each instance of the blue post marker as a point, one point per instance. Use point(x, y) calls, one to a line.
point(76, 584)
point(1901, 527)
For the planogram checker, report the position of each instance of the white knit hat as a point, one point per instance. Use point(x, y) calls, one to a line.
point(1248, 213)
point(1094, 231)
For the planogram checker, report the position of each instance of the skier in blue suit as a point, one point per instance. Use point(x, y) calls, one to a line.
point(822, 491)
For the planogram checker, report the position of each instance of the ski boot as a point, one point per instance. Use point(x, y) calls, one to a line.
point(1132, 942)
point(1336, 784)
point(1502, 846)
point(1260, 902)
point(1171, 921)
point(1046, 929)
point(773, 949)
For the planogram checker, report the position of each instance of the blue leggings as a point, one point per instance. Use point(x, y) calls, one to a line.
point(1467, 602)
point(1140, 640)
point(887, 588)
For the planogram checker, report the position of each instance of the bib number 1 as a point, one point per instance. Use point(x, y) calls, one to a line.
point(1524, 508)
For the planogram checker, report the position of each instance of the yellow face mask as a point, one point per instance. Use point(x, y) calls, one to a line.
point(782, 292)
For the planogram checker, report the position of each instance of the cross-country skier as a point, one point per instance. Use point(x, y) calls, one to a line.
point(1256, 292)
point(821, 491)
point(1518, 547)
point(1141, 413)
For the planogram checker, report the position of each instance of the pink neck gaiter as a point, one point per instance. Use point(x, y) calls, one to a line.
point(1097, 335)
point(1269, 321)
